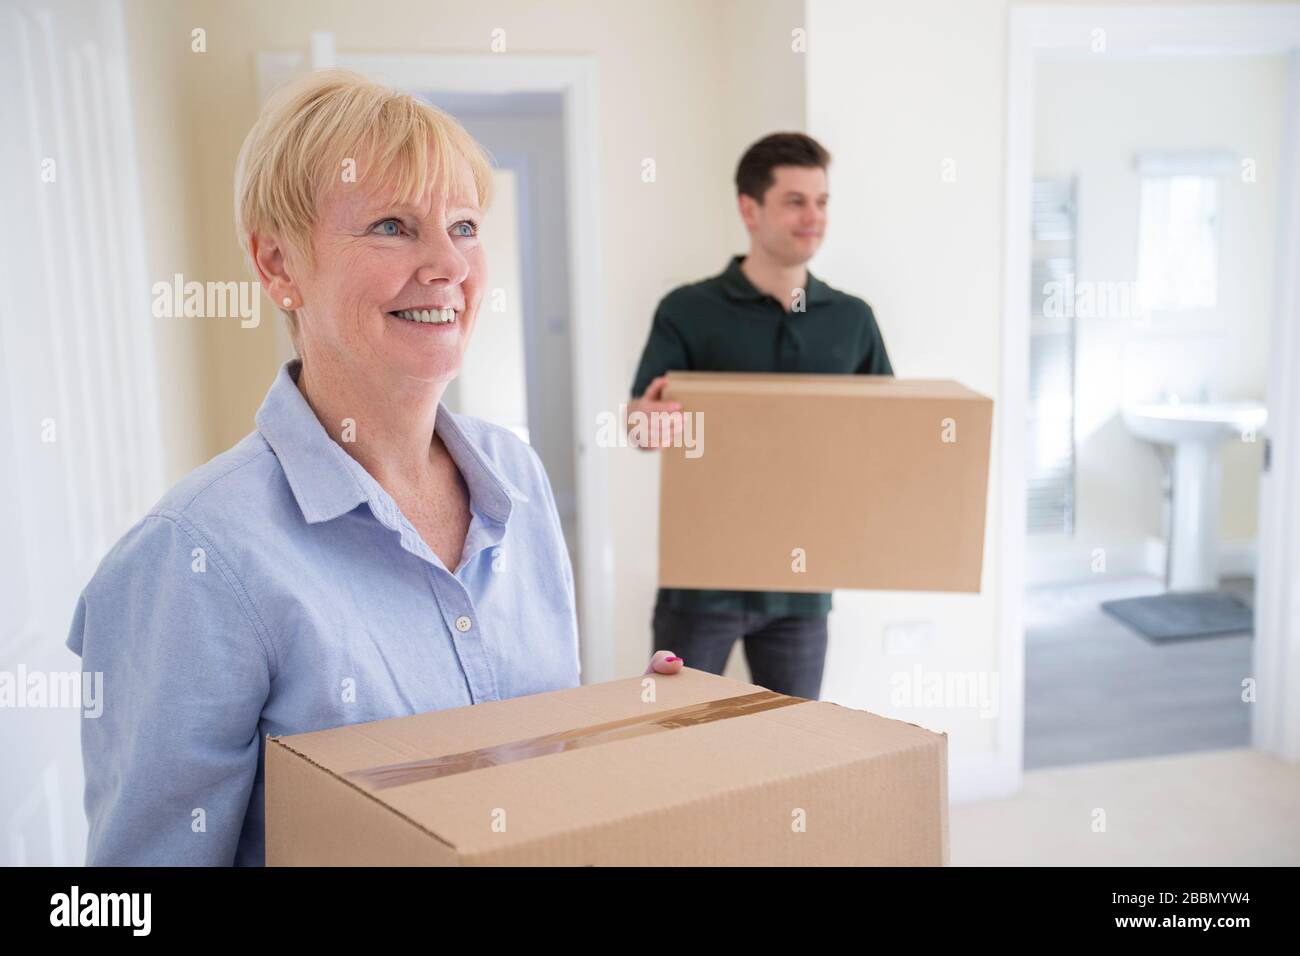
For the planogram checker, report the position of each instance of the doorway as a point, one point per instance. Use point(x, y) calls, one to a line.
point(520, 372)
point(1043, 37)
point(1155, 200)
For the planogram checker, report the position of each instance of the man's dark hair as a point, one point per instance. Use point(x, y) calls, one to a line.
point(754, 174)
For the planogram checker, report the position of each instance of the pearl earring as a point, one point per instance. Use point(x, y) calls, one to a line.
point(287, 302)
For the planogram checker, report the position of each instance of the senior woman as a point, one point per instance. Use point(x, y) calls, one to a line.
point(364, 553)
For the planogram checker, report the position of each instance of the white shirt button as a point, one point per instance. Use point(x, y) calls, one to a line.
point(463, 623)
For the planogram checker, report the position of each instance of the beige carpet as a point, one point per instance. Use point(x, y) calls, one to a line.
point(1218, 808)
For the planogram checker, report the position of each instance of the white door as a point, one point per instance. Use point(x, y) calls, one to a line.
point(78, 400)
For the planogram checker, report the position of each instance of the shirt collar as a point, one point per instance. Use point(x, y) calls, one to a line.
point(328, 482)
point(737, 285)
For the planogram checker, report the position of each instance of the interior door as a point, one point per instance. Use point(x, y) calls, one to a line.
point(78, 400)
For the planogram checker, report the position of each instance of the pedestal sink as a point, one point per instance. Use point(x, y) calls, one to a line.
point(1195, 430)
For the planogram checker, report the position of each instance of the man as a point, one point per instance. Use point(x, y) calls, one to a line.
point(765, 313)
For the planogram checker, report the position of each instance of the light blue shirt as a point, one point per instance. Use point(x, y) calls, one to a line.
point(278, 589)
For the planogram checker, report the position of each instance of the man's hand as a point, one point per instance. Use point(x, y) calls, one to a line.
point(659, 426)
point(665, 662)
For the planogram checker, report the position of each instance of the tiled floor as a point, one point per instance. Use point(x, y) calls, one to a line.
point(1097, 690)
point(1223, 808)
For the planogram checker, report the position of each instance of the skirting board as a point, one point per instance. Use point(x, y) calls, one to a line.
point(1145, 557)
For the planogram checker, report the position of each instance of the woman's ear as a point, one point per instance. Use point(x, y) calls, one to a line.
point(273, 269)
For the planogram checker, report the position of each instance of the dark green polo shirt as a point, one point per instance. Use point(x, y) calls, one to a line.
point(724, 324)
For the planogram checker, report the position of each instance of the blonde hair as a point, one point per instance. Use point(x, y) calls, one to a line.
point(307, 133)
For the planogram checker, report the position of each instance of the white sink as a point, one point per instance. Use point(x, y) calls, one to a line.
point(1176, 422)
point(1195, 430)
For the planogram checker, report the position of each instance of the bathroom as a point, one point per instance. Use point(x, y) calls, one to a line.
point(1155, 210)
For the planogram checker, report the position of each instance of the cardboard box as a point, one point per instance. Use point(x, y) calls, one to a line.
point(710, 772)
point(816, 482)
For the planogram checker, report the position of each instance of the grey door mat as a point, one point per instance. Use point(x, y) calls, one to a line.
point(1176, 615)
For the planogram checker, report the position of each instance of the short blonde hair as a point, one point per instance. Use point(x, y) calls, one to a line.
point(309, 129)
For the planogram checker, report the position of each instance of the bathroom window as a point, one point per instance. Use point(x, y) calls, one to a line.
point(1178, 243)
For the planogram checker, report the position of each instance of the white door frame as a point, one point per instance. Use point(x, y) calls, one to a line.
point(575, 78)
point(1038, 33)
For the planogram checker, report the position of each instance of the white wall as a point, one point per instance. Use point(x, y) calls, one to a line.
point(896, 91)
point(1091, 117)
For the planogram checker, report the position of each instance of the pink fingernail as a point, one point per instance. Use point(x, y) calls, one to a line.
point(671, 659)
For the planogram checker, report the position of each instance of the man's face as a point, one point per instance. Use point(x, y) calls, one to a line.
point(791, 220)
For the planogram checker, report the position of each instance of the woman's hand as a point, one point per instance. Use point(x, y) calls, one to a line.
point(665, 662)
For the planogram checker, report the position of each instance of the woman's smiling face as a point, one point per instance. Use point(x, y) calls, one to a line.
point(381, 267)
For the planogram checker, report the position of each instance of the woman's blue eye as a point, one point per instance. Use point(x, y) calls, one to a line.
point(468, 224)
point(396, 229)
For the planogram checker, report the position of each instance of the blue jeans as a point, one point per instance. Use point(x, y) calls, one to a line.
point(785, 654)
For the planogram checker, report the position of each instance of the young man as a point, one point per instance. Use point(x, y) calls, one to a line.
point(765, 313)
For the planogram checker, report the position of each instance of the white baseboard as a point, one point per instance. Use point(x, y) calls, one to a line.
point(1237, 559)
point(983, 776)
point(1139, 557)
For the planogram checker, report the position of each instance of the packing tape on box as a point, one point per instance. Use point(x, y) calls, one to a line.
point(398, 774)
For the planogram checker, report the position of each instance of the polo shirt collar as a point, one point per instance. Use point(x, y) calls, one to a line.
point(736, 285)
point(328, 482)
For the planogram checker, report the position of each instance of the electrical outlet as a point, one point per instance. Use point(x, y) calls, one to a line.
point(908, 637)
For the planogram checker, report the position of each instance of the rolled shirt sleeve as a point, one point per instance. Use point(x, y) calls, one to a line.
point(171, 761)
